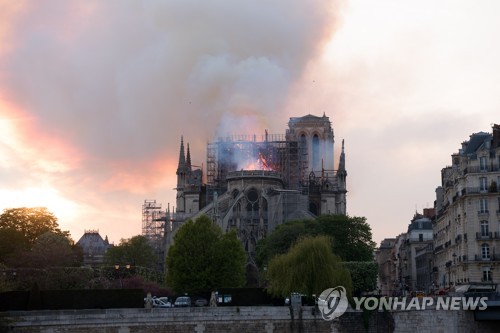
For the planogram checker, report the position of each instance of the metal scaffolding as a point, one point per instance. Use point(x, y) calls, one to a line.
point(270, 152)
point(152, 220)
point(153, 228)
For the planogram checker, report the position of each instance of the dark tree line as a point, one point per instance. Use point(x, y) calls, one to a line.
point(351, 237)
point(350, 244)
point(30, 237)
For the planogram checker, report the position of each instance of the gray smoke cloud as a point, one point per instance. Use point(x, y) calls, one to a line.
point(125, 79)
point(114, 84)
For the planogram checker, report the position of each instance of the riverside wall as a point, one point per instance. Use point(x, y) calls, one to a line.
point(266, 319)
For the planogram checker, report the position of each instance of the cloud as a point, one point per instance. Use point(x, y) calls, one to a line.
point(109, 87)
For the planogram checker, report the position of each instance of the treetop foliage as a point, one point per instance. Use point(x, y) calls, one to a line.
point(351, 237)
point(364, 275)
point(136, 251)
point(309, 267)
point(32, 222)
point(30, 237)
point(202, 258)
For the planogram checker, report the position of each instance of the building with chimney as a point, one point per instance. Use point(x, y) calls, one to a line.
point(467, 226)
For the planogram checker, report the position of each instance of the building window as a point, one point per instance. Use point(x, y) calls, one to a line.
point(487, 274)
point(483, 205)
point(485, 251)
point(420, 237)
point(482, 164)
point(485, 228)
point(483, 184)
point(315, 153)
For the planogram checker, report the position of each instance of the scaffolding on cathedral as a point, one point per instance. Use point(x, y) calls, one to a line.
point(269, 152)
point(154, 221)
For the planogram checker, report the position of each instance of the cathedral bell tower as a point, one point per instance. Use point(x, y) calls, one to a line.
point(182, 174)
point(189, 184)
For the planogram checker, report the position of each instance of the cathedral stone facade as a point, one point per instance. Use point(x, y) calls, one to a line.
point(252, 184)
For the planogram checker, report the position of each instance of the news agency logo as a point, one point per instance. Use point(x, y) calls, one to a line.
point(333, 303)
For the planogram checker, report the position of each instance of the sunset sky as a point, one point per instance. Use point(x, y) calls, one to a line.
point(95, 95)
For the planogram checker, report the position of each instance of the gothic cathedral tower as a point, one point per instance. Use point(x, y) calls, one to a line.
point(189, 184)
point(182, 173)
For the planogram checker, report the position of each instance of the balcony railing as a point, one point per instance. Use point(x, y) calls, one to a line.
point(487, 235)
point(438, 249)
point(491, 257)
point(478, 190)
point(484, 168)
point(483, 213)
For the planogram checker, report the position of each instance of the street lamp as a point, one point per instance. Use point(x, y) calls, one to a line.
point(121, 272)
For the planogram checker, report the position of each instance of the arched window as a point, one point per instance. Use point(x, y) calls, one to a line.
point(315, 152)
point(485, 251)
point(485, 230)
point(252, 205)
point(303, 142)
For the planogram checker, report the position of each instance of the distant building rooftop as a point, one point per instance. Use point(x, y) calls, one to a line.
point(94, 247)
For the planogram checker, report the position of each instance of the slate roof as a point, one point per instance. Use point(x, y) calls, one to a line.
point(425, 222)
point(476, 141)
point(92, 243)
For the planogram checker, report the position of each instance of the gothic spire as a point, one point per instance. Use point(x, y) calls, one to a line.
point(342, 158)
point(188, 158)
point(182, 156)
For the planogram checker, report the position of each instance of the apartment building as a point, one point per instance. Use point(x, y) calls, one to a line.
point(467, 224)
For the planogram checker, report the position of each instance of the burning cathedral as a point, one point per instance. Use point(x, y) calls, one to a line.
point(253, 183)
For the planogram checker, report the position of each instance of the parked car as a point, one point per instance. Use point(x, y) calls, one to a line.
point(183, 301)
point(201, 302)
point(158, 303)
point(166, 300)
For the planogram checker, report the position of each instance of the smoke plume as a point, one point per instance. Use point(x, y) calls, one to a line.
point(116, 83)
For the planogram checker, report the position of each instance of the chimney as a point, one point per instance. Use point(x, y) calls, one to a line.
point(429, 212)
point(496, 136)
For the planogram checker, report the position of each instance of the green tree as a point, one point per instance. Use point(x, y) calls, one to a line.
point(54, 250)
point(351, 237)
point(12, 243)
point(364, 275)
point(49, 250)
point(202, 258)
point(281, 239)
point(309, 267)
point(32, 222)
point(136, 251)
